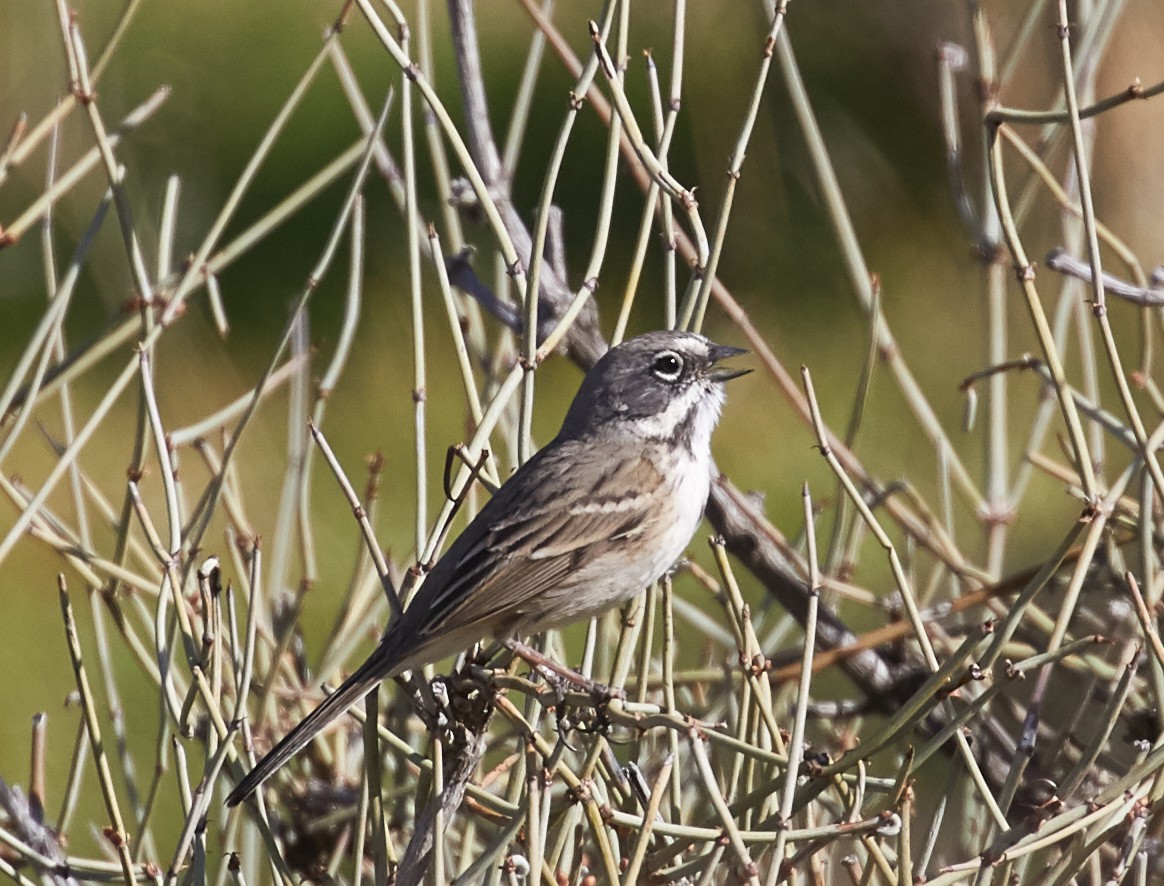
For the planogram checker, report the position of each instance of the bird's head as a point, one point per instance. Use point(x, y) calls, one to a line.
point(661, 386)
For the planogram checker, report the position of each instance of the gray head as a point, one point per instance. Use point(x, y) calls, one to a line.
point(659, 386)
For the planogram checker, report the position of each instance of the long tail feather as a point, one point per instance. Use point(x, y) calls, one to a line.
point(360, 683)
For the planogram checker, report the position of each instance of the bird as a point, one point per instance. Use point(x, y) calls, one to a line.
point(592, 518)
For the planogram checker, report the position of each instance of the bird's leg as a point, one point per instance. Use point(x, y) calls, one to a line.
point(557, 674)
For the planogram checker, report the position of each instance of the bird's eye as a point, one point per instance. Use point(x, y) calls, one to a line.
point(668, 366)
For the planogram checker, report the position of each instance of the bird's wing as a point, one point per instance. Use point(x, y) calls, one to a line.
point(529, 541)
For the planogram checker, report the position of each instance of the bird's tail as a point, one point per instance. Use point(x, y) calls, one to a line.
point(360, 683)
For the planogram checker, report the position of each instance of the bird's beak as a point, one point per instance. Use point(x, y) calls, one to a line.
point(718, 353)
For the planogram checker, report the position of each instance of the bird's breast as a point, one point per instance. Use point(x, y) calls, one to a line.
point(641, 552)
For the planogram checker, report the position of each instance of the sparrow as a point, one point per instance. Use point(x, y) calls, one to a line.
point(596, 515)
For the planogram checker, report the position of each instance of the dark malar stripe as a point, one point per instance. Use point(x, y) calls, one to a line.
point(683, 434)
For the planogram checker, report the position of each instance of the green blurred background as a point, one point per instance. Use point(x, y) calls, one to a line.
point(870, 72)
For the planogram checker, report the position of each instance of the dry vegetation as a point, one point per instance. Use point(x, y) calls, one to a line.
point(995, 726)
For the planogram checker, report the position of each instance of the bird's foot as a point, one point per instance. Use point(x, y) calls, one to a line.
point(574, 714)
